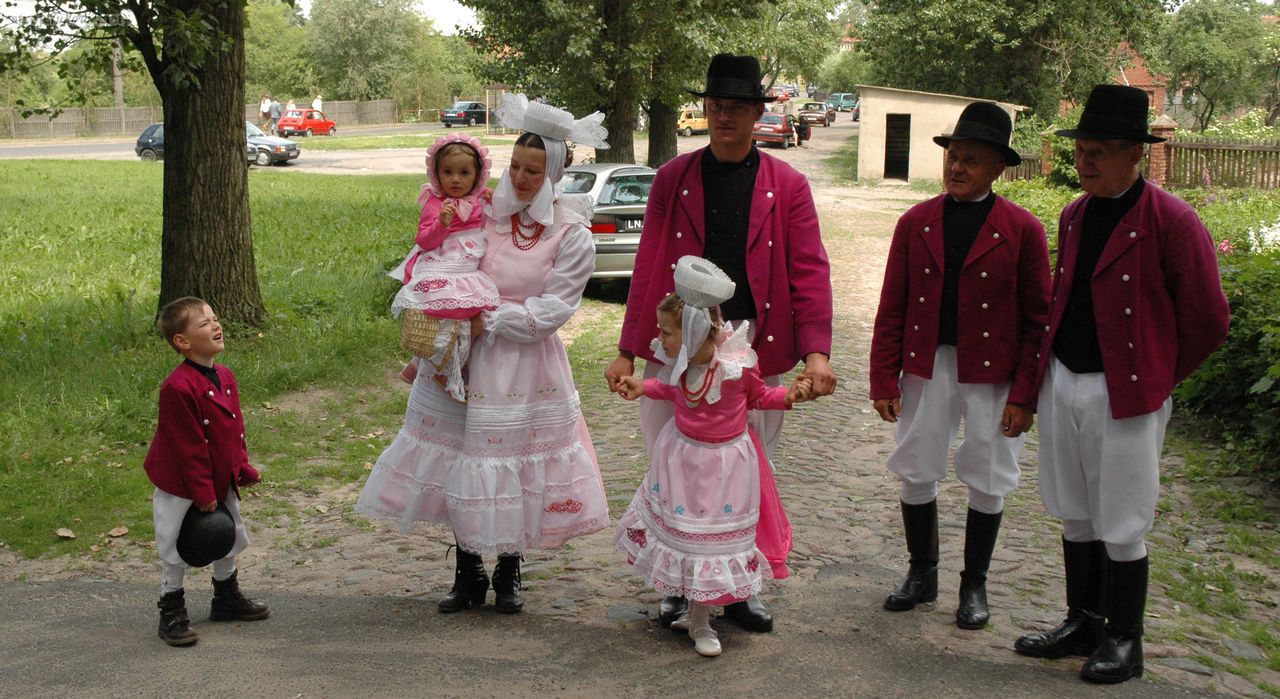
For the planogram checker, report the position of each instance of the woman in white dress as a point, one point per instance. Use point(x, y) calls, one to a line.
point(513, 467)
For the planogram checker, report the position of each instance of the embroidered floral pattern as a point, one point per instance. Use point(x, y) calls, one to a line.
point(753, 564)
point(656, 488)
point(547, 389)
point(430, 285)
point(514, 393)
point(637, 535)
point(679, 509)
point(728, 509)
point(569, 505)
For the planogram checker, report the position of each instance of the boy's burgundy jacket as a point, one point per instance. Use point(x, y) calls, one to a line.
point(199, 451)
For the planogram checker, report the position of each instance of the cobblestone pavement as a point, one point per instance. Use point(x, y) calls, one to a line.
point(842, 502)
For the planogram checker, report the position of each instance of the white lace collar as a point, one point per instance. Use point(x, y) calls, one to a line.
point(732, 356)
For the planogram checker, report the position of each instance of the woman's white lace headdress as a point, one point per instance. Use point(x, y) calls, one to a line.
point(555, 126)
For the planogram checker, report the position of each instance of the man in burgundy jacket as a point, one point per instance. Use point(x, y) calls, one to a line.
point(962, 312)
point(1137, 306)
point(754, 217)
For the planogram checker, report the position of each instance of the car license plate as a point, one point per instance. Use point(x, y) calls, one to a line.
point(632, 224)
point(604, 239)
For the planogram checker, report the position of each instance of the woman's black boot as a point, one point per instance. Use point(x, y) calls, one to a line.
point(506, 584)
point(470, 583)
point(921, 585)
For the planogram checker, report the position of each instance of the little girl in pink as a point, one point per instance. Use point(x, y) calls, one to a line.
point(706, 519)
point(441, 274)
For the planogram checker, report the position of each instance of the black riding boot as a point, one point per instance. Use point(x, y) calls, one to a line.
point(470, 583)
point(1082, 632)
point(980, 532)
point(506, 584)
point(670, 609)
point(920, 522)
point(230, 604)
point(175, 626)
point(1120, 655)
point(750, 615)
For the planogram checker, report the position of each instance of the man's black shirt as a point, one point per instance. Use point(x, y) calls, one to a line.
point(727, 189)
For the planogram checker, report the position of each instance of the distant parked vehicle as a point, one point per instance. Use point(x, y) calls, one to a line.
point(835, 99)
point(774, 128)
point(265, 149)
point(691, 121)
point(620, 193)
point(305, 122)
point(817, 113)
point(848, 102)
point(150, 145)
point(464, 114)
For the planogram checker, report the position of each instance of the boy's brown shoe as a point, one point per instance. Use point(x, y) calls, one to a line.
point(175, 627)
point(229, 604)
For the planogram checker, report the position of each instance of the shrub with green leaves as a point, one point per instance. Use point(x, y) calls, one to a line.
point(1238, 389)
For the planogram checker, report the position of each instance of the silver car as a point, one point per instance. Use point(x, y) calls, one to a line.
point(620, 193)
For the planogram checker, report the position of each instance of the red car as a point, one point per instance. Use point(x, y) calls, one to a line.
point(773, 128)
point(308, 122)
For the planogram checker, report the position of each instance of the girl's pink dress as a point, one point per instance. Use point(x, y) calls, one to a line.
point(695, 527)
point(442, 279)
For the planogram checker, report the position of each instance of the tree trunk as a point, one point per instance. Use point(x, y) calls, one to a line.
point(620, 115)
point(206, 247)
point(621, 122)
point(662, 132)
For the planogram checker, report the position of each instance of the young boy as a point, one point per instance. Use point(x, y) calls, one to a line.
point(198, 458)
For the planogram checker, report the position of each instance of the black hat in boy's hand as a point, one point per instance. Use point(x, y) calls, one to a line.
point(206, 536)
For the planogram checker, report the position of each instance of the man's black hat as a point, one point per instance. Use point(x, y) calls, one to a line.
point(1114, 112)
point(734, 77)
point(206, 536)
point(986, 122)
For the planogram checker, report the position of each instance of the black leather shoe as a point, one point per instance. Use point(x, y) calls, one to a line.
point(1118, 659)
point(470, 584)
point(917, 588)
point(670, 609)
point(972, 613)
point(1081, 634)
point(506, 585)
point(750, 615)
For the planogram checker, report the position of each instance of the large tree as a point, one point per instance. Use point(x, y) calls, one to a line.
point(1031, 52)
point(276, 57)
point(791, 37)
point(615, 56)
point(194, 52)
point(359, 47)
point(1217, 49)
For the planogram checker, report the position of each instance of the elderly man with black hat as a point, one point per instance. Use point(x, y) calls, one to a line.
point(962, 312)
point(1137, 306)
point(753, 216)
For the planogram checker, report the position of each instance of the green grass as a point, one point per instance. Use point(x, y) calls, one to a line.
point(410, 140)
point(80, 364)
point(845, 162)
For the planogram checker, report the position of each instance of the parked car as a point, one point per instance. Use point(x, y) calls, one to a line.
point(305, 122)
point(835, 99)
point(620, 193)
point(857, 109)
point(817, 113)
point(691, 121)
point(773, 128)
point(150, 145)
point(265, 149)
point(468, 113)
point(848, 102)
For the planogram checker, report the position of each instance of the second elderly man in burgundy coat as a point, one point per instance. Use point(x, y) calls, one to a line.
point(962, 312)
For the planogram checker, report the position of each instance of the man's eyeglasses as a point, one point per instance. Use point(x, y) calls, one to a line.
point(734, 109)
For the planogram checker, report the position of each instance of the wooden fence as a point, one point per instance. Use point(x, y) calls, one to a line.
point(130, 121)
point(1203, 162)
point(1028, 170)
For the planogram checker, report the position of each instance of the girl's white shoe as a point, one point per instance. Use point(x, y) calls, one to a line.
point(705, 641)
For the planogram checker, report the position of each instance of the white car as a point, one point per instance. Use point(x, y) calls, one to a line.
point(620, 193)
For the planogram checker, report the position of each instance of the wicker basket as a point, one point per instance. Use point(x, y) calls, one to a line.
point(418, 336)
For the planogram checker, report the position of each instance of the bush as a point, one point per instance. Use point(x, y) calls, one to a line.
point(1238, 389)
point(1041, 198)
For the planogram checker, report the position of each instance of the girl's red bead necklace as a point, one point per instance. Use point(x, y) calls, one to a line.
point(522, 240)
point(701, 392)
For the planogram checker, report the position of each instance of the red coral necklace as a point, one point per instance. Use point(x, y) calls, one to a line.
point(520, 238)
point(701, 392)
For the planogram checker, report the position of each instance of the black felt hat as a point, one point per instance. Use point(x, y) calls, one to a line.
point(734, 77)
point(986, 122)
point(1114, 112)
point(206, 536)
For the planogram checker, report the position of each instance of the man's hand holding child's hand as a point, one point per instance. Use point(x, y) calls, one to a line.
point(801, 390)
point(629, 387)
